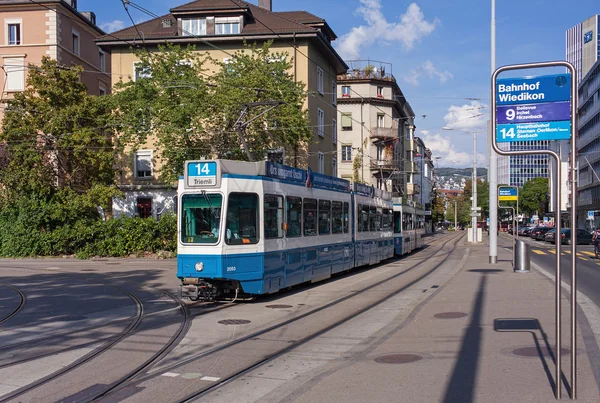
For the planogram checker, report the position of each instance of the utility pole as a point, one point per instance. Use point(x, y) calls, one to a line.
point(493, 171)
point(455, 228)
point(474, 187)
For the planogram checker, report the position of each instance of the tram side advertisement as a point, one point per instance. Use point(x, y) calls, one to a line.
point(533, 108)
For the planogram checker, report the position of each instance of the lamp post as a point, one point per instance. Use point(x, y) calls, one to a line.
point(455, 215)
point(474, 187)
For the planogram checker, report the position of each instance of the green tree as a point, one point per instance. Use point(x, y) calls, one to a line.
point(56, 136)
point(167, 102)
point(533, 196)
point(258, 82)
point(463, 209)
point(437, 207)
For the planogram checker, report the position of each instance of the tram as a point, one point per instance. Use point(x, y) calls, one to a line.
point(409, 227)
point(252, 228)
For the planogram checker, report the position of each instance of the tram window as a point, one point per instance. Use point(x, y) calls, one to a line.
point(310, 217)
point(365, 218)
point(273, 206)
point(379, 220)
point(242, 219)
point(346, 217)
point(386, 218)
point(324, 217)
point(397, 222)
point(200, 218)
point(337, 218)
point(373, 218)
point(294, 217)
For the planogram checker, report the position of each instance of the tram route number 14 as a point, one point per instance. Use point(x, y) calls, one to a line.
point(508, 133)
point(203, 169)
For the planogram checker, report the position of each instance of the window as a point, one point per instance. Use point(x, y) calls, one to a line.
point(346, 91)
point(380, 120)
point(15, 73)
point(201, 217)
point(140, 72)
point(379, 92)
point(346, 153)
point(101, 89)
point(321, 162)
point(242, 219)
point(227, 25)
point(273, 216)
point(333, 93)
point(346, 217)
point(75, 48)
point(101, 61)
point(334, 167)
point(324, 217)
point(143, 164)
point(320, 80)
point(373, 219)
point(144, 207)
point(334, 131)
point(193, 27)
point(321, 122)
point(13, 32)
point(337, 218)
point(364, 218)
point(310, 217)
point(346, 121)
point(294, 216)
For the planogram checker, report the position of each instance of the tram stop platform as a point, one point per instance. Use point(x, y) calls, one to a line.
point(481, 333)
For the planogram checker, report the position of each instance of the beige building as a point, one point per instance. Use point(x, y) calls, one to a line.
point(376, 126)
point(53, 28)
point(220, 27)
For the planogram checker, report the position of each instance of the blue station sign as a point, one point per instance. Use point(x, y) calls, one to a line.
point(533, 108)
point(508, 193)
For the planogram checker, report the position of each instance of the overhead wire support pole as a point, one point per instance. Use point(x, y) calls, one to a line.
point(493, 170)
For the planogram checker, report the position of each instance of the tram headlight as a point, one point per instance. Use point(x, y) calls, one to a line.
point(199, 266)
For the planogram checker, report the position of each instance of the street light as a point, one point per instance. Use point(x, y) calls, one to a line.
point(473, 184)
point(455, 215)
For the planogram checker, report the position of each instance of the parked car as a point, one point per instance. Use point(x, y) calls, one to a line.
point(521, 230)
point(583, 237)
point(526, 231)
point(538, 233)
point(549, 236)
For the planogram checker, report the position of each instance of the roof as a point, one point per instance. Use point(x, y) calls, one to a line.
point(303, 17)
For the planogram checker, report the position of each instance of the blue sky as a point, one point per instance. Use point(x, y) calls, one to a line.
point(439, 49)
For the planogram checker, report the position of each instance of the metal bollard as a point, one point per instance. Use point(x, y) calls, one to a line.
point(522, 257)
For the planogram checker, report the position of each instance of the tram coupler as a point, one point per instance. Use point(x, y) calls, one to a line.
point(198, 290)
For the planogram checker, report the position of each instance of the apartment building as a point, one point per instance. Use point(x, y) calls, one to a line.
point(375, 129)
point(219, 28)
point(53, 28)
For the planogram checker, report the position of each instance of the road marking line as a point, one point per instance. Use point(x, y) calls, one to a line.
point(552, 251)
point(583, 258)
point(170, 374)
point(537, 251)
point(588, 253)
point(567, 251)
point(209, 378)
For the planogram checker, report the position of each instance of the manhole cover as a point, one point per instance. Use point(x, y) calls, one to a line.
point(234, 322)
point(535, 352)
point(279, 306)
point(398, 358)
point(450, 315)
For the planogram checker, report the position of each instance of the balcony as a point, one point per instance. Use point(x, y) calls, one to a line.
point(367, 70)
point(383, 165)
point(413, 189)
point(384, 133)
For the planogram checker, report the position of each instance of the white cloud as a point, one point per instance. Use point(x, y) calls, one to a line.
point(469, 118)
point(430, 71)
point(112, 26)
point(408, 31)
point(447, 148)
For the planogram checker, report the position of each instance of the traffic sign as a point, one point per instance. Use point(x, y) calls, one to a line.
point(476, 208)
point(487, 221)
point(590, 215)
point(475, 214)
point(508, 193)
point(533, 108)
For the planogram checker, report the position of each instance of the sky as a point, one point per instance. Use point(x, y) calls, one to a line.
point(439, 51)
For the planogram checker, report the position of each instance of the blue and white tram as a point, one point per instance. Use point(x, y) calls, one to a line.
point(408, 230)
point(253, 228)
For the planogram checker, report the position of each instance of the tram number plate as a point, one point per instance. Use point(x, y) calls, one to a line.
point(202, 173)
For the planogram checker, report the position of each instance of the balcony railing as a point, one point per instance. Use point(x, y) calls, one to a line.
point(384, 132)
point(385, 165)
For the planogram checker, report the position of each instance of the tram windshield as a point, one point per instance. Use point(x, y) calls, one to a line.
point(201, 217)
point(242, 219)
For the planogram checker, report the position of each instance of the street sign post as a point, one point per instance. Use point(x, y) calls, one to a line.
point(533, 108)
point(510, 193)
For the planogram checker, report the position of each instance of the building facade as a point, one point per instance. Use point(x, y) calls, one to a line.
point(53, 28)
point(219, 28)
point(583, 45)
point(375, 128)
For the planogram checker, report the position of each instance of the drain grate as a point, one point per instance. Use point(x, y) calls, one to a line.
point(398, 358)
point(280, 306)
point(450, 315)
point(234, 322)
point(535, 352)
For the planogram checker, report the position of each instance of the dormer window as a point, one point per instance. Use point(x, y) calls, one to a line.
point(227, 25)
point(193, 27)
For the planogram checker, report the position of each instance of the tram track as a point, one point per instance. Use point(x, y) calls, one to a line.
point(20, 306)
point(295, 320)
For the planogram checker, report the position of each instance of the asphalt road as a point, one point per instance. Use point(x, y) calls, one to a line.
point(588, 267)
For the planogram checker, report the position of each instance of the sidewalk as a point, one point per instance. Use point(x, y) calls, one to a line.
point(485, 335)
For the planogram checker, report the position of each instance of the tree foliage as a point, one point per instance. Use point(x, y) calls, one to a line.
point(533, 196)
point(55, 135)
point(192, 114)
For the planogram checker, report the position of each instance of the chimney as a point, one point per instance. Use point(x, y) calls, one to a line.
point(266, 4)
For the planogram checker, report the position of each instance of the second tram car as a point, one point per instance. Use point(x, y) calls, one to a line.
point(253, 228)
